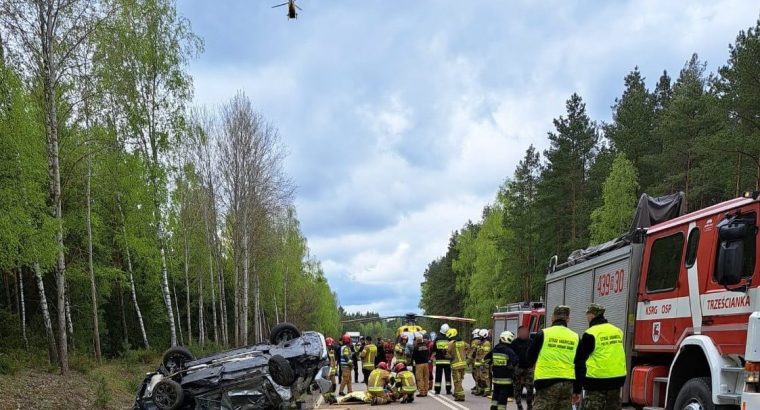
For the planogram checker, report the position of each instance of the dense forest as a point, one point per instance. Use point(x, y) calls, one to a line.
point(698, 133)
point(128, 218)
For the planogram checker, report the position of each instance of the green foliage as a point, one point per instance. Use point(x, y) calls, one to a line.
point(619, 195)
point(102, 396)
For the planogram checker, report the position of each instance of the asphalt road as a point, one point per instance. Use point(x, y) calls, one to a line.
point(431, 402)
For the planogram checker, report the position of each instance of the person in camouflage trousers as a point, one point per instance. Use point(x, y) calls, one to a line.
point(552, 352)
point(600, 363)
point(523, 378)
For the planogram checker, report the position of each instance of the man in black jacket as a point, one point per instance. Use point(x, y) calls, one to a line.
point(600, 366)
point(523, 373)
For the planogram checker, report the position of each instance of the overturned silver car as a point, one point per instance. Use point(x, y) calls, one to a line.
point(276, 375)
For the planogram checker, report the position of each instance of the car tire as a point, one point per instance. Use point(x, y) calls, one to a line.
point(283, 332)
point(695, 394)
point(281, 371)
point(168, 395)
point(175, 358)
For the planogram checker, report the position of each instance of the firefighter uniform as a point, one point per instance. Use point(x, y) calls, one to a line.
point(484, 381)
point(346, 366)
point(421, 358)
point(553, 353)
point(600, 363)
point(376, 386)
point(368, 354)
point(457, 350)
point(472, 351)
point(405, 387)
point(503, 361)
point(333, 367)
point(400, 353)
point(442, 364)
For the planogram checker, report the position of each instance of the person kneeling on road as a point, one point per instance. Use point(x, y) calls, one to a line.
point(503, 361)
point(405, 385)
point(377, 385)
point(600, 367)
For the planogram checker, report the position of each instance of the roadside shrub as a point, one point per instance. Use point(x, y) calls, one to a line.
point(101, 398)
point(8, 364)
point(141, 356)
point(81, 362)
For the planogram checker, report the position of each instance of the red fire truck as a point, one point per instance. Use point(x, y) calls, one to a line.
point(514, 315)
point(685, 292)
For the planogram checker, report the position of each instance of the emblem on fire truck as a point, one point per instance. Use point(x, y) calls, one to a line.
point(655, 332)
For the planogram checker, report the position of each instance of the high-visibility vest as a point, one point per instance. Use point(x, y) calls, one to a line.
point(555, 361)
point(408, 385)
point(400, 354)
point(368, 356)
point(608, 358)
point(377, 380)
point(345, 356)
point(480, 355)
point(441, 357)
point(458, 356)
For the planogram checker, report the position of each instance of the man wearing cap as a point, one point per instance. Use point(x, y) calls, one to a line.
point(600, 367)
point(552, 353)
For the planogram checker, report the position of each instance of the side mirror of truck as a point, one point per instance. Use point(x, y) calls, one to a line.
point(730, 265)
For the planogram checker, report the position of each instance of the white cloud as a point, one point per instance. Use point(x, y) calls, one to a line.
point(402, 125)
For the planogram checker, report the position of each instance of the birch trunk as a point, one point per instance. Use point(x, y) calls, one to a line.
point(244, 301)
point(52, 347)
point(93, 287)
point(165, 288)
point(22, 306)
point(201, 325)
point(187, 293)
point(131, 276)
point(69, 321)
point(179, 322)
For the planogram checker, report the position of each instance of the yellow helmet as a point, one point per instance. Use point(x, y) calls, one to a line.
point(451, 333)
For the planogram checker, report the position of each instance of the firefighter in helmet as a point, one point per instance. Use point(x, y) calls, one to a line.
point(471, 353)
point(503, 359)
point(378, 383)
point(553, 354)
point(600, 367)
point(404, 385)
point(457, 351)
point(442, 360)
point(346, 364)
point(484, 372)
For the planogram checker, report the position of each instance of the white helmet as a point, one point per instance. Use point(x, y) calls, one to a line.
point(483, 333)
point(444, 328)
point(506, 336)
point(475, 332)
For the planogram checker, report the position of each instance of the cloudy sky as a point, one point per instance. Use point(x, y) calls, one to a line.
point(403, 117)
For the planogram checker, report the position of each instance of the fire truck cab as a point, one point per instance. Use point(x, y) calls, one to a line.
point(514, 315)
point(685, 292)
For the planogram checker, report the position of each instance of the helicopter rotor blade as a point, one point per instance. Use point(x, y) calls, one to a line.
point(299, 8)
point(450, 318)
point(371, 319)
point(280, 5)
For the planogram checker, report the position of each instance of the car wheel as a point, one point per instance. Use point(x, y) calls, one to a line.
point(283, 332)
point(168, 395)
point(175, 358)
point(696, 394)
point(281, 371)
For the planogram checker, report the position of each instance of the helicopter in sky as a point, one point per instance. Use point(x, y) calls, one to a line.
point(292, 7)
point(409, 325)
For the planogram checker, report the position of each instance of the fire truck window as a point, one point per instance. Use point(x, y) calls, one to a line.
point(691, 247)
point(665, 263)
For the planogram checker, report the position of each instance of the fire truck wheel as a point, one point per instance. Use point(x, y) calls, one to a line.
point(696, 394)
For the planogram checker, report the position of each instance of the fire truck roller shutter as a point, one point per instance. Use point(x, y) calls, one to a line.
point(554, 296)
point(611, 289)
point(579, 291)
